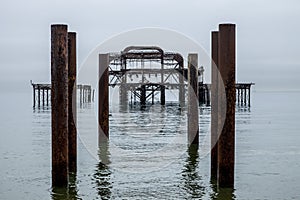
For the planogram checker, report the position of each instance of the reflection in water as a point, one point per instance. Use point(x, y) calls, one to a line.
point(221, 193)
point(66, 193)
point(102, 173)
point(190, 174)
point(225, 194)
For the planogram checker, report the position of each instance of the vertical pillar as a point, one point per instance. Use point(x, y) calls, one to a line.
point(143, 95)
point(59, 99)
point(83, 93)
point(238, 96)
point(72, 118)
point(214, 104)
point(80, 94)
point(90, 94)
point(226, 143)
point(153, 95)
point(207, 96)
point(47, 96)
point(242, 96)
point(39, 96)
point(43, 96)
point(33, 88)
point(123, 93)
point(245, 97)
point(162, 95)
point(193, 117)
point(103, 112)
point(181, 84)
point(249, 99)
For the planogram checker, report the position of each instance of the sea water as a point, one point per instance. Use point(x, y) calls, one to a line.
point(147, 155)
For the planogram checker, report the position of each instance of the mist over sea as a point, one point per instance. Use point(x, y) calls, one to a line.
point(147, 156)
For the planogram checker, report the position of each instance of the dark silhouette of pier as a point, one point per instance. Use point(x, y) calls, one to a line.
point(42, 94)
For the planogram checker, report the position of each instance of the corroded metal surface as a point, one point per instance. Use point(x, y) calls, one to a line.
point(72, 102)
point(214, 105)
point(59, 100)
point(226, 143)
point(193, 116)
point(103, 112)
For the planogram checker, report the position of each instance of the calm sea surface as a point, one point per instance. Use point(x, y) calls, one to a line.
point(147, 156)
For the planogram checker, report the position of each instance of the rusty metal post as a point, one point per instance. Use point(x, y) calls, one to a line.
point(90, 94)
point(47, 96)
point(238, 96)
point(226, 143)
point(249, 99)
point(214, 104)
point(193, 116)
point(72, 102)
point(59, 99)
point(43, 96)
point(33, 88)
point(103, 112)
point(80, 94)
point(245, 96)
point(153, 90)
point(207, 96)
point(162, 95)
point(83, 94)
point(181, 84)
point(242, 95)
point(143, 95)
point(39, 96)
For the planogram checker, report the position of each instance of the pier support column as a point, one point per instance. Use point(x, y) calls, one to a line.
point(245, 97)
point(249, 99)
point(72, 119)
point(83, 94)
point(33, 88)
point(43, 96)
point(103, 112)
point(143, 95)
point(163, 95)
point(59, 99)
point(123, 93)
point(181, 85)
point(47, 96)
point(207, 96)
point(193, 117)
point(80, 94)
point(226, 143)
point(238, 96)
point(39, 96)
point(214, 105)
point(242, 97)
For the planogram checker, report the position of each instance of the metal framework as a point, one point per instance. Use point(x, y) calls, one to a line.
point(146, 71)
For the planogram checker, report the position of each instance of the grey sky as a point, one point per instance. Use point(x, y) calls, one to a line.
point(267, 33)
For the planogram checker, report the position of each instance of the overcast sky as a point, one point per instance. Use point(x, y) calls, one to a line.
point(268, 45)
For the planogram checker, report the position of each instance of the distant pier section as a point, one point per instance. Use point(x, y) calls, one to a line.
point(42, 94)
point(243, 93)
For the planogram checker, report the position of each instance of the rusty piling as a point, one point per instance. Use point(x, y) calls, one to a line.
point(193, 117)
point(59, 100)
point(226, 143)
point(33, 88)
point(181, 82)
point(72, 117)
point(103, 112)
point(163, 95)
point(214, 104)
